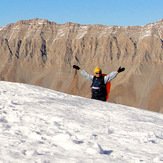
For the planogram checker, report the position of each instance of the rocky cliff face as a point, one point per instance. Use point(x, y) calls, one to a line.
point(42, 53)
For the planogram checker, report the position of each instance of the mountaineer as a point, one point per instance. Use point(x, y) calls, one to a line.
point(99, 81)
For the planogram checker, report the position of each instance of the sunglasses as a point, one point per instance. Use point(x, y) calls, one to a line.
point(98, 72)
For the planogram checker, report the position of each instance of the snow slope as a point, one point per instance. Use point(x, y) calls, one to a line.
point(42, 125)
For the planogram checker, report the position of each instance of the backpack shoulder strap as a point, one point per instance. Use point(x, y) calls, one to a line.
point(103, 75)
point(93, 80)
point(103, 80)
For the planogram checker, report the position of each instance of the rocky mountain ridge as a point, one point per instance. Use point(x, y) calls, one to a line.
point(42, 53)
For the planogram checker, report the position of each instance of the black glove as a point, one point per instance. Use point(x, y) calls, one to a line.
point(120, 69)
point(76, 67)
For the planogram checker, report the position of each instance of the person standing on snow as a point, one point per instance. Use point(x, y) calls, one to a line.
point(99, 81)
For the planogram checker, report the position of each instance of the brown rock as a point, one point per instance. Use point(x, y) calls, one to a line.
point(42, 53)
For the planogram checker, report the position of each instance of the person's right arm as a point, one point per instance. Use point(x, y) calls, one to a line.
point(86, 75)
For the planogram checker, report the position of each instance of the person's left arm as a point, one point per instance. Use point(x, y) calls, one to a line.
point(110, 76)
point(113, 74)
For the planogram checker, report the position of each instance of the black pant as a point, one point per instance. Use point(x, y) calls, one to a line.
point(98, 96)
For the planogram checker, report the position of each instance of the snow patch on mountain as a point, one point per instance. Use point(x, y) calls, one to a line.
point(1, 28)
point(82, 32)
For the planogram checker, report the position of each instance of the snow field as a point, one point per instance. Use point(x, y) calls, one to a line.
point(41, 125)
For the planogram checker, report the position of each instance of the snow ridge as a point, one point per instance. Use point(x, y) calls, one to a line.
point(42, 125)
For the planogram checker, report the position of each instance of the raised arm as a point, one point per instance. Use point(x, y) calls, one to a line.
point(113, 74)
point(110, 76)
point(84, 73)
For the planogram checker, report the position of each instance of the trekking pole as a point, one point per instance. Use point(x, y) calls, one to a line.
point(75, 82)
point(75, 77)
point(77, 60)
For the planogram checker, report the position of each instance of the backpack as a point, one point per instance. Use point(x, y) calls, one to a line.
point(107, 85)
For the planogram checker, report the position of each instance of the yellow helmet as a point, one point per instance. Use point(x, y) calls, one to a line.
point(97, 69)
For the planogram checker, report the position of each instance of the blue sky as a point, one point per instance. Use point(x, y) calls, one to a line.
point(106, 12)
